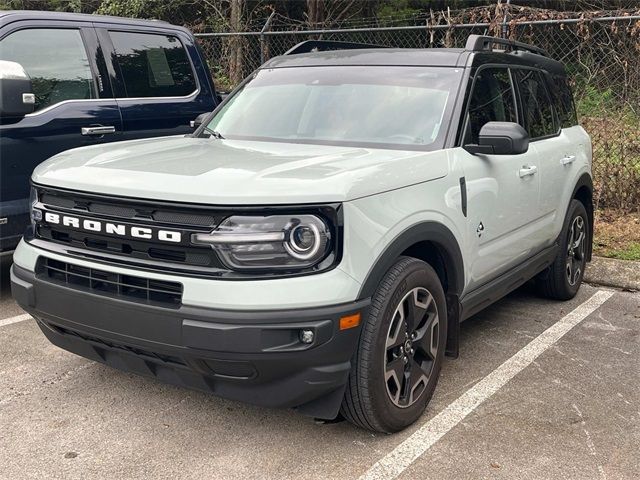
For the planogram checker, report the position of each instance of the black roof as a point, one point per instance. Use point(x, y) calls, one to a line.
point(479, 50)
point(438, 57)
point(9, 16)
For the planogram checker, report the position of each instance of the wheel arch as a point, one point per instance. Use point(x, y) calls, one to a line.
point(583, 192)
point(436, 245)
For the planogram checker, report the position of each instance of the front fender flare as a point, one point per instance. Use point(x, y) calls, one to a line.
point(426, 231)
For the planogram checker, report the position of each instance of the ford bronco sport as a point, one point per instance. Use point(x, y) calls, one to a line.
point(316, 242)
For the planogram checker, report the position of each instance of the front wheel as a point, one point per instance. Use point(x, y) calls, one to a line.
point(563, 279)
point(400, 350)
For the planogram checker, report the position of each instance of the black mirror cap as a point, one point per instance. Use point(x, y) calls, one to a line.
point(16, 92)
point(500, 138)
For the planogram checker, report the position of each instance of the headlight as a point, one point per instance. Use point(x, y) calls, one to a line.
point(269, 242)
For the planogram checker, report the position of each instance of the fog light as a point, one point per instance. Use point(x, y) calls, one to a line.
point(306, 336)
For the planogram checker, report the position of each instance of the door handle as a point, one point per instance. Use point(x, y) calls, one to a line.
point(568, 159)
point(527, 170)
point(97, 130)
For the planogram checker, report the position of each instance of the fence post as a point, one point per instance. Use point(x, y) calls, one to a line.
point(263, 37)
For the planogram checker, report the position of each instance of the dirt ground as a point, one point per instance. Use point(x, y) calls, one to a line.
point(617, 235)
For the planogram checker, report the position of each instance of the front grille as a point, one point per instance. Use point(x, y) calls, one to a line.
point(127, 287)
point(145, 253)
point(128, 210)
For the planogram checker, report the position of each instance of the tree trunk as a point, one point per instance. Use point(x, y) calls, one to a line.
point(236, 43)
point(315, 13)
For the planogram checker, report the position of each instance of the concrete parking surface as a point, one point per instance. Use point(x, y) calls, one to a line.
point(517, 404)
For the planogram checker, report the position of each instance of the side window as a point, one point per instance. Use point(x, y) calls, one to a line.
point(536, 105)
point(563, 101)
point(56, 61)
point(153, 65)
point(492, 100)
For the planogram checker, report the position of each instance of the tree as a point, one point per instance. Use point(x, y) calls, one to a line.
point(236, 43)
point(315, 13)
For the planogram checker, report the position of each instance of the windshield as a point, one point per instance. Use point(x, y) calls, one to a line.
point(384, 107)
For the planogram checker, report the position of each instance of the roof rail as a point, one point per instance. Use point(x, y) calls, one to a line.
point(480, 43)
point(327, 45)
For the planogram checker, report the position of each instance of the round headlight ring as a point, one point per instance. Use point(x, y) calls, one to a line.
point(299, 252)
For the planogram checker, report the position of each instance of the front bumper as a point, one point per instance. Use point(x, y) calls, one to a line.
point(251, 356)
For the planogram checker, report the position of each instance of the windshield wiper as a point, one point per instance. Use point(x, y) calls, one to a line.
point(213, 133)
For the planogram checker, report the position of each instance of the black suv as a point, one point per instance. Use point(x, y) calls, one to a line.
point(71, 80)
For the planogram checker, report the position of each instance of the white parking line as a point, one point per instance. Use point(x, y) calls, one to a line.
point(401, 457)
point(16, 319)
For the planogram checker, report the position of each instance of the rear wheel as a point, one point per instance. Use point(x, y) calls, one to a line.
point(563, 279)
point(400, 350)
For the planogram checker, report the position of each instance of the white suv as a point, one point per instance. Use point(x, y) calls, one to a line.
point(317, 241)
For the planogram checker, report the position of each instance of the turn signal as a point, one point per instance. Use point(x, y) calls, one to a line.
point(350, 321)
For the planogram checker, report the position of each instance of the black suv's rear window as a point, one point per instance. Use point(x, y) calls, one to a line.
point(153, 65)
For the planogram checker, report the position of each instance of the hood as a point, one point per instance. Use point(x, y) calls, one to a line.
point(233, 172)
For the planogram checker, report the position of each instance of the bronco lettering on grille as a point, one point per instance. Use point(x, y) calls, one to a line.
point(113, 228)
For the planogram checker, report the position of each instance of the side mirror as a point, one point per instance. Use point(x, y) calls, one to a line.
point(16, 92)
point(199, 120)
point(500, 138)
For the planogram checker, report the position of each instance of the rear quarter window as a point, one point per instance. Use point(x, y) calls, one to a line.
point(153, 65)
point(563, 101)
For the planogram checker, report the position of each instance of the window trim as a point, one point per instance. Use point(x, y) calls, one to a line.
point(465, 119)
point(109, 101)
point(116, 64)
point(556, 122)
point(81, 29)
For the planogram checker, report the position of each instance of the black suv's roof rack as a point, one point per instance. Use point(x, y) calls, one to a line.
point(328, 45)
point(482, 43)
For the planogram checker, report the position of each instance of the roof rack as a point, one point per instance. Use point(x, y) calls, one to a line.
point(327, 45)
point(480, 43)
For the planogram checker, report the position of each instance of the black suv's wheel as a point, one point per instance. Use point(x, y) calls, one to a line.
point(562, 280)
point(400, 350)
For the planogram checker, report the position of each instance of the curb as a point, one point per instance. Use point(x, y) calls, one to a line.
point(611, 272)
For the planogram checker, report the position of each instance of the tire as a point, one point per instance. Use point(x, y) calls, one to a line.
point(562, 280)
point(376, 398)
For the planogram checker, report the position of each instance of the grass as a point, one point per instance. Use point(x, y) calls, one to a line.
point(617, 235)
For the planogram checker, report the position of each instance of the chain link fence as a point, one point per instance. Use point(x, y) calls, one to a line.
point(601, 53)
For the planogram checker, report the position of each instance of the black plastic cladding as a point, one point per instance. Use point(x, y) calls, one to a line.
point(331, 213)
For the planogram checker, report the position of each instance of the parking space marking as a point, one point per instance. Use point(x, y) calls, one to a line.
point(401, 457)
point(16, 319)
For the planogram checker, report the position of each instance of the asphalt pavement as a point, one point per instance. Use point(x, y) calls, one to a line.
point(541, 390)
